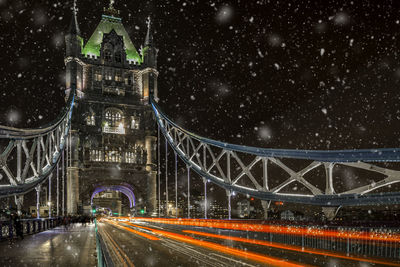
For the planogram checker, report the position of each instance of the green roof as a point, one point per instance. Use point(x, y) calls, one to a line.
point(106, 25)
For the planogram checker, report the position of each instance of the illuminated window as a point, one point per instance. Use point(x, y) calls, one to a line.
point(90, 120)
point(108, 75)
point(97, 76)
point(130, 157)
point(135, 122)
point(114, 122)
point(112, 156)
point(96, 155)
point(113, 117)
point(107, 55)
point(118, 77)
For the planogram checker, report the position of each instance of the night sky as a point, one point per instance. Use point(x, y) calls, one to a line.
point(311, 74)
point(288, 74)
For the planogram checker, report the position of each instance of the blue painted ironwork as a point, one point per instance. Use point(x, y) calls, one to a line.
point(188, 146)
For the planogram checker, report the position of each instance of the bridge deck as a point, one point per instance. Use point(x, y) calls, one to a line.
point(56, 247)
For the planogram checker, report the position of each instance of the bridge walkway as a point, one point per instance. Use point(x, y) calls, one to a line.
point(56, 247)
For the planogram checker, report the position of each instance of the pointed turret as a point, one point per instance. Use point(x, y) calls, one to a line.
point(150, 52)
point(149, 36)
point(149, 77)
point(73, 39)
point(73, 44)
point(73, 26)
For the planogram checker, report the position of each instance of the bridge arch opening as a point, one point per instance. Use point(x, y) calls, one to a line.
point(119, 188)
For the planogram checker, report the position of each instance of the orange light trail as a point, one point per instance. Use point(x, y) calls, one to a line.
point(291, 230)
point(124, 259)
point(292, 248)
point(133, 231)
point(220, 248)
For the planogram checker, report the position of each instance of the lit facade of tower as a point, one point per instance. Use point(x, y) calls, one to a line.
point(113, 134)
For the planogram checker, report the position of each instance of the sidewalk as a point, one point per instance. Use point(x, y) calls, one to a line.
point(56, 247)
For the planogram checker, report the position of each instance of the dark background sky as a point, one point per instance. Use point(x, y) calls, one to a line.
point(311, 74)
point(290, 74)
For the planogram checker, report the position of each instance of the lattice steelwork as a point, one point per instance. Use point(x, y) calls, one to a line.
point(234, 168)
point(31, 155)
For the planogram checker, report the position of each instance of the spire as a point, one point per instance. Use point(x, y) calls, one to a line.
point(111, 11)
point(73, 26)
point(149, 35)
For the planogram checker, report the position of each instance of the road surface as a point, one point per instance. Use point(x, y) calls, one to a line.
point(134, 243)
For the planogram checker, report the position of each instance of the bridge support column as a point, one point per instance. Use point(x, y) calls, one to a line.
point(73, 175)
point(63, 182)
point(150, 143)
point(58, 190)
point(159, 170)
point(229, 194)
point(265, 205)
point(188, 192)
point(176, 185)
point(72, 190)
point(49, 199)
point(205, 197)
point(19, 201)
point(166, 179)
point(38, 189)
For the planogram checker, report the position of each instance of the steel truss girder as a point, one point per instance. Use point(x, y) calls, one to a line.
point(41, 148)
point(188, 146)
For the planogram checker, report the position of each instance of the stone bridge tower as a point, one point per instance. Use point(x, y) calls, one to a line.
point(113, 133)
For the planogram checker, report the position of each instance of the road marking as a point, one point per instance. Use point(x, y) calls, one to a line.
point(192, 253)
point(151, 237)
point(241, 262)
point(122, 256)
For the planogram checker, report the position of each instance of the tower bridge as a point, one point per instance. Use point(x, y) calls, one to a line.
point(107, 135)
point(109, 138)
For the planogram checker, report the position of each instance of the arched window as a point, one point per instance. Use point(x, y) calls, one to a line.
point(114, 117)
point(114, 121)
point(90, 119)
point(135, 122)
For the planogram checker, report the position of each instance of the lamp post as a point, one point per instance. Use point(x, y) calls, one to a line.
point(49, 205)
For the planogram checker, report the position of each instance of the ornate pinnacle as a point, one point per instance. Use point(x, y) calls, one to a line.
point(111, 11)
point(149, 36)
point(73, 27)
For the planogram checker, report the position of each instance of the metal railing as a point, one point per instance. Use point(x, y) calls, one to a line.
point(371, 242)
point(366, 242)
point(103, 256)
point(29, 226)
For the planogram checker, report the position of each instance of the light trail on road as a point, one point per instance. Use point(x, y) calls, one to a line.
point(292, 248)
point(151, 237)
point(276, 229)
point(123, 258)
point(217, 247)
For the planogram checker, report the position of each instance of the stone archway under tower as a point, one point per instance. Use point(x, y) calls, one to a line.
point(111, 201)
